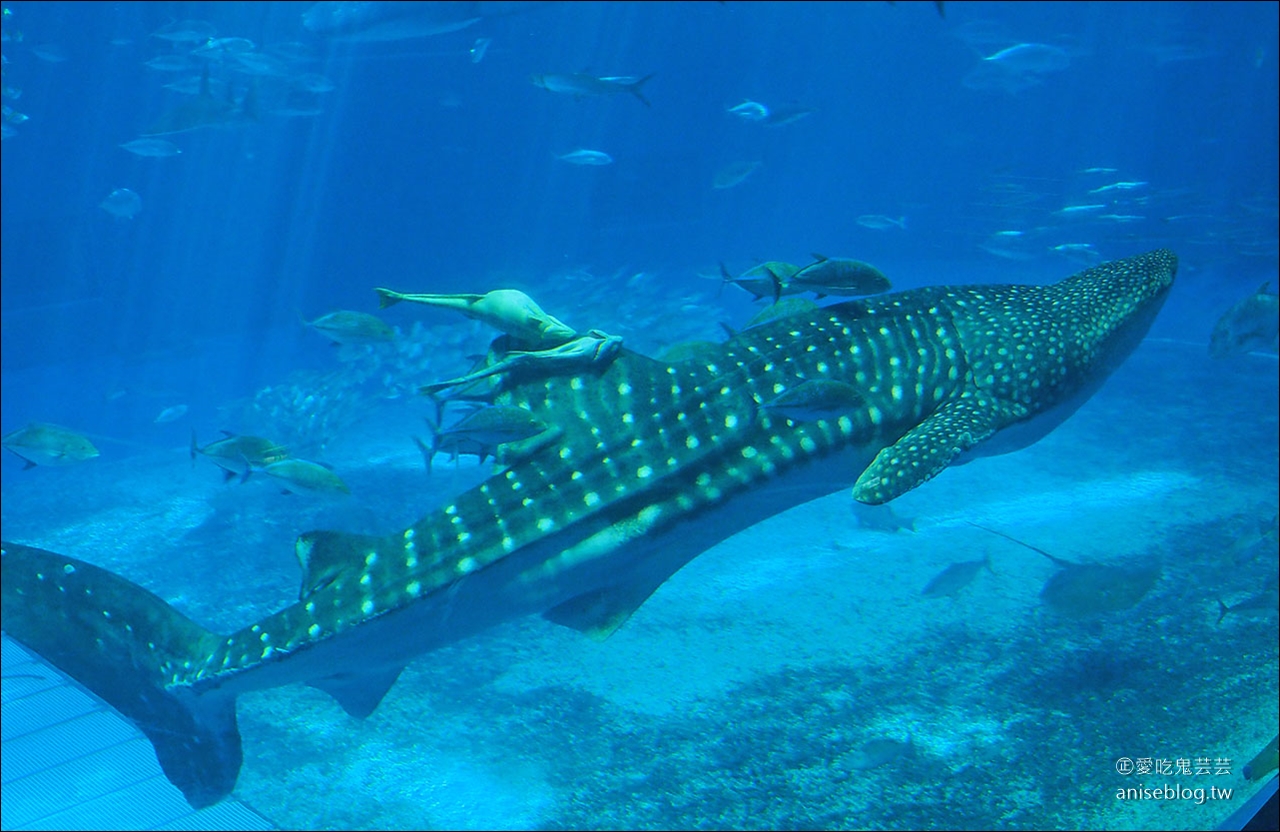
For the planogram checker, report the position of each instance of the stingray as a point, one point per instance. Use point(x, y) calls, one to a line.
point(1079, 590)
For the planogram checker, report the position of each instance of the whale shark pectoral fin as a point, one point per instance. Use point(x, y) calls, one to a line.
point(358, 693)
point(600, 613)
point(932, 445)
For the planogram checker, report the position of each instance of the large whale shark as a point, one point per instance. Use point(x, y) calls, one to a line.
point(650, 464)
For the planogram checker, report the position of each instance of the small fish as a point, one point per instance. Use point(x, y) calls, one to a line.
point(880, 222)
point(814, 399)
point(734, 173)
point(479, 48)
point(219, 47)
point(1251, 324)
point(956, 577)
point(1100, 170)
point(1119, 186)
point(1034, 58)
point(1069, 247)
point(171, 414)
point(155, 148)
point(170, 63)
point(581, 85)
point(877, 752)
point(346, 327)
point(1072, 210)
point(40, 443)
point(186, 31)
point(508, 310)
point(1264, 762)
point(122, 203)
point(840, 276)
point(581, 156)
point(299, 475)
point(750, 111)
point(236, 454)
point(483, 430)
point(1122, 217)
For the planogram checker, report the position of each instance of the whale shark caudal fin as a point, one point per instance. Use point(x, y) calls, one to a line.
point(125, 644)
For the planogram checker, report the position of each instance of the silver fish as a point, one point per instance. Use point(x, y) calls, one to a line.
point(580, 85)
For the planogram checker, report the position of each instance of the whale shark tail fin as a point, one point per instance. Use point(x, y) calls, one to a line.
point(130, 648)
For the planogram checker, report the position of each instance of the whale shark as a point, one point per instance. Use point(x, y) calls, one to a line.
point(649, 464)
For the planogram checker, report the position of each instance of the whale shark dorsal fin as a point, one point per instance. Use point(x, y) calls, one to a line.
point(358, 693)
point(324, 556)
point(930, 446)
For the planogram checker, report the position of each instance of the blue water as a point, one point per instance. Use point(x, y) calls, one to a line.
point(735, 696)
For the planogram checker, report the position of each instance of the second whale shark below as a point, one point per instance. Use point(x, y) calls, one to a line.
point(652, 463)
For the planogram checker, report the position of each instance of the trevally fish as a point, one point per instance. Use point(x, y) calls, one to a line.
point(839, 276)
point(654, 463)
point(299, 476)
point(581, 85)
point(236, 454)
point(40, 443)
point(482, 431)
point(347, 327)
point(1253, 323)
point(770, 279)
point(171, 414)
point(582, 156)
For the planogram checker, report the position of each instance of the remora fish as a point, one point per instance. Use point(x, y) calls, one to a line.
point(655, 464)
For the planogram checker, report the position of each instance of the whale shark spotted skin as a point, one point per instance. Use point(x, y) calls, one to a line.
point(648, 464)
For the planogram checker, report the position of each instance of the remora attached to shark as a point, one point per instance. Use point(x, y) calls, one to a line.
point(654, 464)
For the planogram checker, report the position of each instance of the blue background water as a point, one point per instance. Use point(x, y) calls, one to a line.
point(426, 171)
